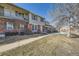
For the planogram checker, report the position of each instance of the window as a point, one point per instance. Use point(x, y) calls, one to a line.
point(35, 27)
point(9, 26)
point(26, 16)
point(42, 19)
point(19, 14)
point(16, 26)
point(32, 27)
point(21, 26)
point(1, 11)
point(34, 17)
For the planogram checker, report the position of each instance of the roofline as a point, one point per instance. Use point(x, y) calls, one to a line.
point(24, 9)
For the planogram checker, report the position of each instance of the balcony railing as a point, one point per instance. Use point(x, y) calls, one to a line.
point(27, 20)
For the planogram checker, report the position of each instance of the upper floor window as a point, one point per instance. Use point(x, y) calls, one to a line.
point(1, 11)
point(42, 19)
point(34, 17)
point(19, 14)
point(22, 15)
point(26, 17)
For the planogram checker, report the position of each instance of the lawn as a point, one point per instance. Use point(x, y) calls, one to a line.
point(53, 45)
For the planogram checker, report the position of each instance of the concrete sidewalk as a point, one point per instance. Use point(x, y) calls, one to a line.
point(10, 46)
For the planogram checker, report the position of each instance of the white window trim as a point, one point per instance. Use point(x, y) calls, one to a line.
point(21, 26)
point(9, 26)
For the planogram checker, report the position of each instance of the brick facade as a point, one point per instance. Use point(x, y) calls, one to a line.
point(16, 23)
point(15, 19)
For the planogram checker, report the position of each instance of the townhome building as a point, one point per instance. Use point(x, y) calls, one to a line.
point(14, 19)
point(37, 23)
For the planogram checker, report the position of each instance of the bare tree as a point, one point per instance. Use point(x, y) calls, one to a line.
point(65, 14)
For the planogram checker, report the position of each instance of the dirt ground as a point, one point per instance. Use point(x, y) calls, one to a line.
point(53, 45)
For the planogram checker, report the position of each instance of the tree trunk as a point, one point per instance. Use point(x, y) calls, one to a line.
point(68, 34)
point(69, 29)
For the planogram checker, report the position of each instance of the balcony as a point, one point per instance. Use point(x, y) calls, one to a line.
point(1, 11)
point(27, 20)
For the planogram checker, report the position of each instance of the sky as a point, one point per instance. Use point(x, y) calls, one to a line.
point(41, 9)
